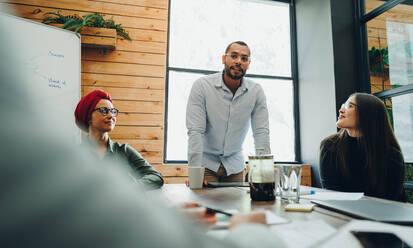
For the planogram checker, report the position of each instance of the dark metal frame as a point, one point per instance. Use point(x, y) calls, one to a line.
point(379, 10)
point(362, 47)
point(406, 89)
point(293, 78)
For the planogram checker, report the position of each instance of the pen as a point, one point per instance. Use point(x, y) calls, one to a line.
point(213, 211)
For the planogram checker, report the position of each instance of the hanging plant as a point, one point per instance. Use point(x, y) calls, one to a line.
point(379, 62)
point(75, 23)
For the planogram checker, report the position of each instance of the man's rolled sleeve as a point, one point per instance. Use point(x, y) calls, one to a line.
point(196, 124)
point(260, 123)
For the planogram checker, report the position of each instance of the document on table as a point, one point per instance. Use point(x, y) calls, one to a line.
point(303, 233)
point(273, 219)
point(333, 196)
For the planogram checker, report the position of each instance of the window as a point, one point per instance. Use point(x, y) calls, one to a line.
point(401, 113)
point(199, 32)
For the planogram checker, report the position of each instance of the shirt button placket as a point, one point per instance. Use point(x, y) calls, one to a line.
point(230, 110)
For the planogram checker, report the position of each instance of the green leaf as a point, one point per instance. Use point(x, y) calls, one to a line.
point(74, 22)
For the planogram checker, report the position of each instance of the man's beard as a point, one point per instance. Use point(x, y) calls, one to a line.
point(228, 72)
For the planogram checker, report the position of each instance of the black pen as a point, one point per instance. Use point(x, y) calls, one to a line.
point(213, 211)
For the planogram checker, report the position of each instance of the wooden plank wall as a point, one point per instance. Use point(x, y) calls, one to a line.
point(133, 74)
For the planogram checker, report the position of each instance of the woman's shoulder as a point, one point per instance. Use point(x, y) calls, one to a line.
point(329, 142)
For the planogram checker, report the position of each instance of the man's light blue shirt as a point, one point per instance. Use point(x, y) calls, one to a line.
point(218, 121)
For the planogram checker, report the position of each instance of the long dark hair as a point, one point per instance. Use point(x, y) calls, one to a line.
point(377, 141)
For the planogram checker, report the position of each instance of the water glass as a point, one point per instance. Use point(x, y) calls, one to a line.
point(290, 180)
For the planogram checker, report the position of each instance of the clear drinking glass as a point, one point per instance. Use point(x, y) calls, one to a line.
point(290, 180)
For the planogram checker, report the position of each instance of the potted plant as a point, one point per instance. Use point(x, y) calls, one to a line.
point(96, 31)
point(379, 62)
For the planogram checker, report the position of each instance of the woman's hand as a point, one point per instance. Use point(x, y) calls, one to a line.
point(188, 205)
point(198, 215)
point(242, 218)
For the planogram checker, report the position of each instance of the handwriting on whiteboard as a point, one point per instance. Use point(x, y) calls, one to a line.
point(51, 53)
point(47, 65)
point(56, 83)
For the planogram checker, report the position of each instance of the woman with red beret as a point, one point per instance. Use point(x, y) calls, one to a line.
point(96, 115)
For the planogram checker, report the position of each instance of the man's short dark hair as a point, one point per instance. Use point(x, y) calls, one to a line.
point(239, 43)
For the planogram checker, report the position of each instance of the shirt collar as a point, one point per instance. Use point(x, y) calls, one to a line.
point(244, 83)
point(110, 146)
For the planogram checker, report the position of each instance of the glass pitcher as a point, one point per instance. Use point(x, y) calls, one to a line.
point(261, 177)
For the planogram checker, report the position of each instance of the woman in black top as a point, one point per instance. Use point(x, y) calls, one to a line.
point(364, 156)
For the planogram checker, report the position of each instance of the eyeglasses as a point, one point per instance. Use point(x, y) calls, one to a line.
point(105, 111)
point(347, 105)
point(235, 56)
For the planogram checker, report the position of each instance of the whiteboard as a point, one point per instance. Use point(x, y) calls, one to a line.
point(49, 59)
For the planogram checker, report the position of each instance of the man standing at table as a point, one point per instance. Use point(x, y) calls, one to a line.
point(218, 115)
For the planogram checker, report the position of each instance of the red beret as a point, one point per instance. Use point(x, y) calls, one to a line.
point(85, 107)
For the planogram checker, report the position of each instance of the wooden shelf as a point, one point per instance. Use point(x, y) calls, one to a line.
point(98, 37)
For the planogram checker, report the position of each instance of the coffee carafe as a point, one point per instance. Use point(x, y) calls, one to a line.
point(261, 177)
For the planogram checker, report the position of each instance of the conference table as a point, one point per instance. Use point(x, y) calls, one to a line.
point(238, 198)
point(319, 228)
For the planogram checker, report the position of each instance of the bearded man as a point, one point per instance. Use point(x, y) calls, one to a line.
point(220, 108)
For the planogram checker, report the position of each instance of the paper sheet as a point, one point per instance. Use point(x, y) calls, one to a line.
point(303, 233)
point(273, 219)
point(333, 196)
